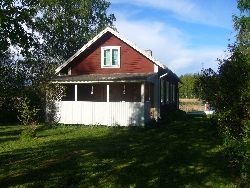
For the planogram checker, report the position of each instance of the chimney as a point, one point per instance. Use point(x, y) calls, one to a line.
point(149, 52)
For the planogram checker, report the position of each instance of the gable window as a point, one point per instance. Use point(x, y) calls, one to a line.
point(110, 57)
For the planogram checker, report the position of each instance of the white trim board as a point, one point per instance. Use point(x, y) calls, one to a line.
point(87, 82)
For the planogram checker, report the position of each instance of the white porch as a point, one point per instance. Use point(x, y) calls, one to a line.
point(112, 100)
point(103, 113)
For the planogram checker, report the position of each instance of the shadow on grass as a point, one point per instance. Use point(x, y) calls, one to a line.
point(176, 155)
point(196, 114)
point(9, 133)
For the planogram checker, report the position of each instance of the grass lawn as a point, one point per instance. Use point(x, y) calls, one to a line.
point(180, 154)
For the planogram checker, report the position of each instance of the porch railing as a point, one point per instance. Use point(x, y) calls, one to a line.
point(103, 113)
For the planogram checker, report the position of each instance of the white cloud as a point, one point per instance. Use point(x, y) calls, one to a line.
point(169, 45)
point(188, 10)
point(193, 60)
point(180, 7)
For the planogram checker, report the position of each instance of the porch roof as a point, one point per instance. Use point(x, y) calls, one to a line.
point(118, 77)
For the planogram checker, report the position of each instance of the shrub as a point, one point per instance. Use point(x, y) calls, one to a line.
point(151, 123)
point(237, 144)
point(29, 132)
point(174, 115)
point(26, 112)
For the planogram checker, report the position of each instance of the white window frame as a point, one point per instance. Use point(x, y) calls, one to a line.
point(110, 48)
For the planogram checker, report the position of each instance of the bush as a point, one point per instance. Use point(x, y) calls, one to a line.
point(238, 154)
point(174, 115)
point(27, 114)
point(151, 123)
point(29, 132)
point(237, 147)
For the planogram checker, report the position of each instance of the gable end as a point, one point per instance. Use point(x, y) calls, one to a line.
point(90, 44)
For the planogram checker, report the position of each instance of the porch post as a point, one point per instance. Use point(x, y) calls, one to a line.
point(75, 92)
point(107, 92)
point(142, 92)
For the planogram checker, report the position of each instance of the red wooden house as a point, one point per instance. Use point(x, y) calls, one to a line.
point(110, 81)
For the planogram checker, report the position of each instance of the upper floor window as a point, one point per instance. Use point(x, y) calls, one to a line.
point(110, 57)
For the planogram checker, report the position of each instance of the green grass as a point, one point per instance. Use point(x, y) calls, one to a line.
point(179, 154)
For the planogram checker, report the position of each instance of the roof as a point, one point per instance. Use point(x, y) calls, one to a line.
point(108, 29)
point(119, 77)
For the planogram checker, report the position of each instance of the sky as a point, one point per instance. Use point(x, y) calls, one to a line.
point(185, 35)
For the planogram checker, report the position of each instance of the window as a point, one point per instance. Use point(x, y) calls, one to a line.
point(69, 93)
point(173, 93)
point(162, 91)
point(167, 92)
point(110, 57)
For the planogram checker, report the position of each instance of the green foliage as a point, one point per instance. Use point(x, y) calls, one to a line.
point(152, 123)
point(187, 86)
point(11, 84)
point(54, 92)
point(28, 133)
point(228, 91)
point(174, 115)
point(241, 24)
point(13, 15)
point(206, 86)
point(44, 33)
point(237, 149)
point(26, 113)
point(67, 25)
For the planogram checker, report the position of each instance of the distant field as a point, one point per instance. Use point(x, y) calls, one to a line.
point(189, 105)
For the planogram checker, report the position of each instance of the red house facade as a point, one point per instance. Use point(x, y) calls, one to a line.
point(110, 81)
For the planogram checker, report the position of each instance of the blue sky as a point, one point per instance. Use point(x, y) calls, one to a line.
point(185, 35)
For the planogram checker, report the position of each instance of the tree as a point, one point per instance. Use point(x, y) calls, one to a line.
point(206, 87)
point(67, 25)
point(228, 91)
point(186, 89)
point(46, 32)
point(16, 25)
point(11, 84)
